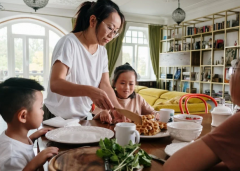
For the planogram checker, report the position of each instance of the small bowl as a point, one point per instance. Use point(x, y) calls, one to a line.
point(184, 131)
point(183, 118)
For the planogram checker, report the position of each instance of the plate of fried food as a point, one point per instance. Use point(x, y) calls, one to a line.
point(152, 128)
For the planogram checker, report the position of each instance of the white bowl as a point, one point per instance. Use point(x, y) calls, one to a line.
point(182, 118)
point(184, 131)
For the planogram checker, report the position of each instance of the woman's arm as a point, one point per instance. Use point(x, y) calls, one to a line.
point(59, 85)
point(196, 156)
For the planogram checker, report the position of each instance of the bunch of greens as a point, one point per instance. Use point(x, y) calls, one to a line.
point(128, 157)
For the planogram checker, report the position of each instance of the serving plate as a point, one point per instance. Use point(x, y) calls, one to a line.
point(79, 134)
point(158, 135)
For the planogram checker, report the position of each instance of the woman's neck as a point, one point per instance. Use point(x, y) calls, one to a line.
point(88, 41)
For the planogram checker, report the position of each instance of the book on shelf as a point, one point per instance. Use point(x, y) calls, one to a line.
point(177, 74)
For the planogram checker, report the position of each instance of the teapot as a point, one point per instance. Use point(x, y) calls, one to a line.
point(220, 113)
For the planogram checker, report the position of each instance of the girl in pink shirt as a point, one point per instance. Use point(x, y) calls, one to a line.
point(124, 81)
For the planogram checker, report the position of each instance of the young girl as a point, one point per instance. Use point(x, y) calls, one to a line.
point(124, 81)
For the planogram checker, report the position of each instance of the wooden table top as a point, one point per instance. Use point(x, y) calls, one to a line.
point(151, 146)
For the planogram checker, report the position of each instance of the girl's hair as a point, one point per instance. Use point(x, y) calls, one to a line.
point(121, 69)
point(101, 9)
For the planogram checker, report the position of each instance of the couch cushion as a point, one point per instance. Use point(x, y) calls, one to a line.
point(193, 108)
point(153, 92)
point(149, 99)
point(173, 94)
point(160, 101)
point(138, 88)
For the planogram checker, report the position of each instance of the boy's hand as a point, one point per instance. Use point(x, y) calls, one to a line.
point(105, 116)
point(41, 158)
point(39, 133)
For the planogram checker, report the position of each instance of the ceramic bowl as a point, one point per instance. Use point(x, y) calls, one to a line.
point(184, 131)
point(188, 118)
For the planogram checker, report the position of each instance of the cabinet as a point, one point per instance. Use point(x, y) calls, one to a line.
point(148, 83)
point(209, 43)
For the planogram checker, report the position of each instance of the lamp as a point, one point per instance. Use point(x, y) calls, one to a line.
point(36, 4)
point(179, 14)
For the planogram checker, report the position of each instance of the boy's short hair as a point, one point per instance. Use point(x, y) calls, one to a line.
point(17, 94)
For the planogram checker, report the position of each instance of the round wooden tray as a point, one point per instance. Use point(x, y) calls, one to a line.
point(80, 159)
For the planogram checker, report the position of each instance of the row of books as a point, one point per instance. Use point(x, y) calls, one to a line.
point(217, 26)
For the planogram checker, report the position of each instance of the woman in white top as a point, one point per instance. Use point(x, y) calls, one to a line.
point(79, 75)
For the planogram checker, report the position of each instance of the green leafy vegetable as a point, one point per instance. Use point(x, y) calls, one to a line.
point(128, 157)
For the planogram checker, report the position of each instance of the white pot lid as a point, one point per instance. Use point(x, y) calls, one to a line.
point(222, 110)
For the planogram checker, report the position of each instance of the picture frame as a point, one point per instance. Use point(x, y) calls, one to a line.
point(230, 55)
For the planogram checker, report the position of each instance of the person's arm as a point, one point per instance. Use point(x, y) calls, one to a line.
point(59, 85)
point(196, 156)
point(39, 133)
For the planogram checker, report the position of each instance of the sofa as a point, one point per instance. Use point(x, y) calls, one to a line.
point(159, 99)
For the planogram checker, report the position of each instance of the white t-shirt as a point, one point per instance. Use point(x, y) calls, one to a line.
point(84, 69)
point(14, 155)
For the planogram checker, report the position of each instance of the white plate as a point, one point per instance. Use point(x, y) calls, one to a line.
point(79, 134)
point(174, 147)
point(158, 135)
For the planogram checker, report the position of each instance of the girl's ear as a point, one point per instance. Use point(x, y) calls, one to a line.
point(92, 21)
point(22, 116)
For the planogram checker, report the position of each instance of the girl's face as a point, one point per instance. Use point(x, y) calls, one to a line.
point(108, 28)
point(125, 84)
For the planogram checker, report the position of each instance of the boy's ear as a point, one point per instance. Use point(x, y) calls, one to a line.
point(22, 116)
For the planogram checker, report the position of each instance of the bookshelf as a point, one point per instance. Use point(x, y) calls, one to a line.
point(206, 46)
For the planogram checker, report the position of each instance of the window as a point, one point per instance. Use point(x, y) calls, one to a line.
point(135, 50)
point(26, 50)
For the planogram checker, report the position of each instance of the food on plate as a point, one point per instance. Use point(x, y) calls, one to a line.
point(121, 158)
point(192, 118)
point(150, 126)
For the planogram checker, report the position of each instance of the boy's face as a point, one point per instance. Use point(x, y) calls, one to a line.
point(35, 116)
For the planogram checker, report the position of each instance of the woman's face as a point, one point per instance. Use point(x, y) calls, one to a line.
point(125, 84)
point(234, 85)
point(108, 28)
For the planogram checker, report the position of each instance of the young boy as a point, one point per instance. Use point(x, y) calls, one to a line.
point(21, 107)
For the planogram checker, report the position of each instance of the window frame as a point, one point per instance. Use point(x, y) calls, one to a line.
point(10, 46)
point(135, 46)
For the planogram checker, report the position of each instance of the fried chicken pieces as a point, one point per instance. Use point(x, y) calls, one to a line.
point(150, 126)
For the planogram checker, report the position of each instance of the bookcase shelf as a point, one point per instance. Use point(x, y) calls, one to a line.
point(208, 40)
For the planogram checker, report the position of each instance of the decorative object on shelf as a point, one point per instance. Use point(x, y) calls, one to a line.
point(207, 73)
point(227, 76)
point(36, 4)
point(179, 14)
point(216, 62)
point(235, 44)
point(203, 44)
point(185, 86)
point(230, 55)
point(222, 60)
point(164, 37)
point(210, 43)
point(177, 75)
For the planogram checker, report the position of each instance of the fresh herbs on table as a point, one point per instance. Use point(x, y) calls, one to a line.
point(127, 157)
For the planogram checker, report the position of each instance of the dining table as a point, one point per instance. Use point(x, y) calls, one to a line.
point(154, 146)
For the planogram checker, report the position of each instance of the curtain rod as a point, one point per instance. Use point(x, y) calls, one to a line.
point(72, 17)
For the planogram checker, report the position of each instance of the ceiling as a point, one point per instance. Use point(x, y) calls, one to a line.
point(159, 8)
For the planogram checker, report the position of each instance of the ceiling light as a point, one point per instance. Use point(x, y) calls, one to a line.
point(36, 4)
point(179, 14)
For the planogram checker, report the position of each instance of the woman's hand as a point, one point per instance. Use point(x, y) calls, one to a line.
point(100, 99)
point(105, 116)
point(39, 133)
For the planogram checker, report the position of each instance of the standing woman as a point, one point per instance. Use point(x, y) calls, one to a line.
point(79, 73)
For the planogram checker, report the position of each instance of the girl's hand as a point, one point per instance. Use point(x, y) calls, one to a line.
point(41, 158)
point(100, 99)
point(105, 116)
point(39, 133)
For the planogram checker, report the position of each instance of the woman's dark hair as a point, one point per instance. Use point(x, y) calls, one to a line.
point(119, 70)
point(101, 9)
